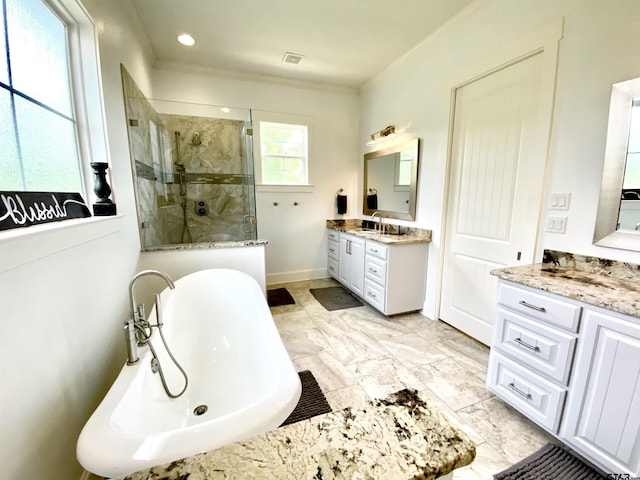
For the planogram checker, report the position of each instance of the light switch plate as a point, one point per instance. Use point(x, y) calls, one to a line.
point(556, 224)
point(559, 201)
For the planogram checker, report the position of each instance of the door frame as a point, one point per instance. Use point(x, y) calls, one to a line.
point(545, 40)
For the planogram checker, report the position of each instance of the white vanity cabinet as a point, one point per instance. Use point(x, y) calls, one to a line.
point(390, 277)
point(572, 368)
point(395, 276)
point(333, 259)
point(534, 340)
point(602, 415)
point(351, 262)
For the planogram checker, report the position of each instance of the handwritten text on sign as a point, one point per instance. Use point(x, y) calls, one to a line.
point(22, 209)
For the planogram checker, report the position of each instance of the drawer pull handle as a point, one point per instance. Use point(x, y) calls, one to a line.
point(519, 341)
point(332, 250)
point(374, 250)
point(513, 387)
point(371, 294)
point(373, 270)
point(535, 307)
point(332, 268)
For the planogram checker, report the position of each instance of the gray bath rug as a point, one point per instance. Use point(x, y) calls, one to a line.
point(279, 296)
point(312, 401)
point(551, 462)
point(335, 298)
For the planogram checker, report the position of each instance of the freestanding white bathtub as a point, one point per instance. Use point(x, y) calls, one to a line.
point(218, 325)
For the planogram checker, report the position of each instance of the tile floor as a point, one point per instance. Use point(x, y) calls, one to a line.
point(358, 354)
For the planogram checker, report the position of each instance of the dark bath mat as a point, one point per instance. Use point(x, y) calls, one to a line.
point(335, 298)
point(278, 297)
point(550, 462)
point(312, 401)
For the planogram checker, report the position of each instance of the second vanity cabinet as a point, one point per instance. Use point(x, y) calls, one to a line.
point(351, 262)
point(572, 368)
point(390, 277)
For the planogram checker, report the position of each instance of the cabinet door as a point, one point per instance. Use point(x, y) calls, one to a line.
point(357, 265)
point(344, 259)
point(602, 417)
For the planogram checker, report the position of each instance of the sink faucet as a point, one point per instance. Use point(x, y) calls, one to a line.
point(137, 320)
point(380, 221)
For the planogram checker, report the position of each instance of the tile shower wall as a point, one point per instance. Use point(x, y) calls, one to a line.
point(214, 175)
point(215, 196)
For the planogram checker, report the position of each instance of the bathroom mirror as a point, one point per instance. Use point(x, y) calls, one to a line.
point(391, 181)
point(618, 217)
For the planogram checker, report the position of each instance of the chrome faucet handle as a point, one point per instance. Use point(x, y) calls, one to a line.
point(139, 314)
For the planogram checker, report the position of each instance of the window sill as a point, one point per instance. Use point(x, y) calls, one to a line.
point(24, 245)
point(285, 188)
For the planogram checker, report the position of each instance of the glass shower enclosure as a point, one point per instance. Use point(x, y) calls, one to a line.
point(193, 170)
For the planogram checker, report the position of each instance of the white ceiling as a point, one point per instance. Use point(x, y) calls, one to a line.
point(344, 42)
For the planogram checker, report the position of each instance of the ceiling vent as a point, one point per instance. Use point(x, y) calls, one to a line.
point(293, 58)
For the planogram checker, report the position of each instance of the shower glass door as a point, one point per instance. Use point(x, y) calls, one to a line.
point(193, 170)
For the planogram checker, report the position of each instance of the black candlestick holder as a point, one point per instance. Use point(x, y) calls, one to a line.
point(103, 206)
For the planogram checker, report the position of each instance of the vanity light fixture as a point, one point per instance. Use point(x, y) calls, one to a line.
point(382, 135)
point(186, 39)
point(225, 109)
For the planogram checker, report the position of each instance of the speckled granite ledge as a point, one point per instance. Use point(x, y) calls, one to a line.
point(396, 233)
point(600, 282)
point(204, 246)
point(400, 437)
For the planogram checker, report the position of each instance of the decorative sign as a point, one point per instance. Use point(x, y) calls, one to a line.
point(22, 209)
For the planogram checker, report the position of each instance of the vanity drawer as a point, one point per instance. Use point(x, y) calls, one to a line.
point(332, 268)
point(377, 249)
point(332, 249)
point(333, 235)
point(555, 312)
point(546, 349)
point(537, 398)
point(374, 294)
point(376, 270)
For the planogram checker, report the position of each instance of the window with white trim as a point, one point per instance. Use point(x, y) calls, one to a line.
point(282, 149)
point(40, 83)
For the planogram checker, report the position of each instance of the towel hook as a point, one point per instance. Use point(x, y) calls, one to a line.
point(340, 191)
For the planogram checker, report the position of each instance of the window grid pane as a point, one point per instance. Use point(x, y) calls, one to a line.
point(284, 153)
point(38, 138)
point(4, 73)
point(38, 49)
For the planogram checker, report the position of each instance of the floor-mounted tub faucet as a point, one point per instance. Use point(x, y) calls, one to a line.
point(137, 320)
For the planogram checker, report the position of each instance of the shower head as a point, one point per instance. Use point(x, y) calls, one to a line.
point(195, 140)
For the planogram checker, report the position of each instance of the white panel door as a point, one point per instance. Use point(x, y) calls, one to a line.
point(495, 190)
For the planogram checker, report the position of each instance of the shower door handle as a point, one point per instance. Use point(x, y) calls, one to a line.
point(249, 221)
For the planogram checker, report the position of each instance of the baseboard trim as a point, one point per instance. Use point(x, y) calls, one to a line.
point(296, 276)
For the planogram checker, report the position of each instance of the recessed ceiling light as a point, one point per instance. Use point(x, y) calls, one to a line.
point(186, 39)
point(293, 58)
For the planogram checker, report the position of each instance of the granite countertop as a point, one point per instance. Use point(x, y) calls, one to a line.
point(399, 437)
point(602, 283)
point(205, 245)
point(396, 233)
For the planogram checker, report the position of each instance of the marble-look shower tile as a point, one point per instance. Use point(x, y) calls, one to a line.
point(302, 343)
point(356, 346)
point(352, 396)
point(329, 372)
point(383, 376)
point(453, 382)
point(412, 350)
point(508, 432)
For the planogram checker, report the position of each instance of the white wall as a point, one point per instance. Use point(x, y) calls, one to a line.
point(414, 93)
point(61, 344)
point(296, 234)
